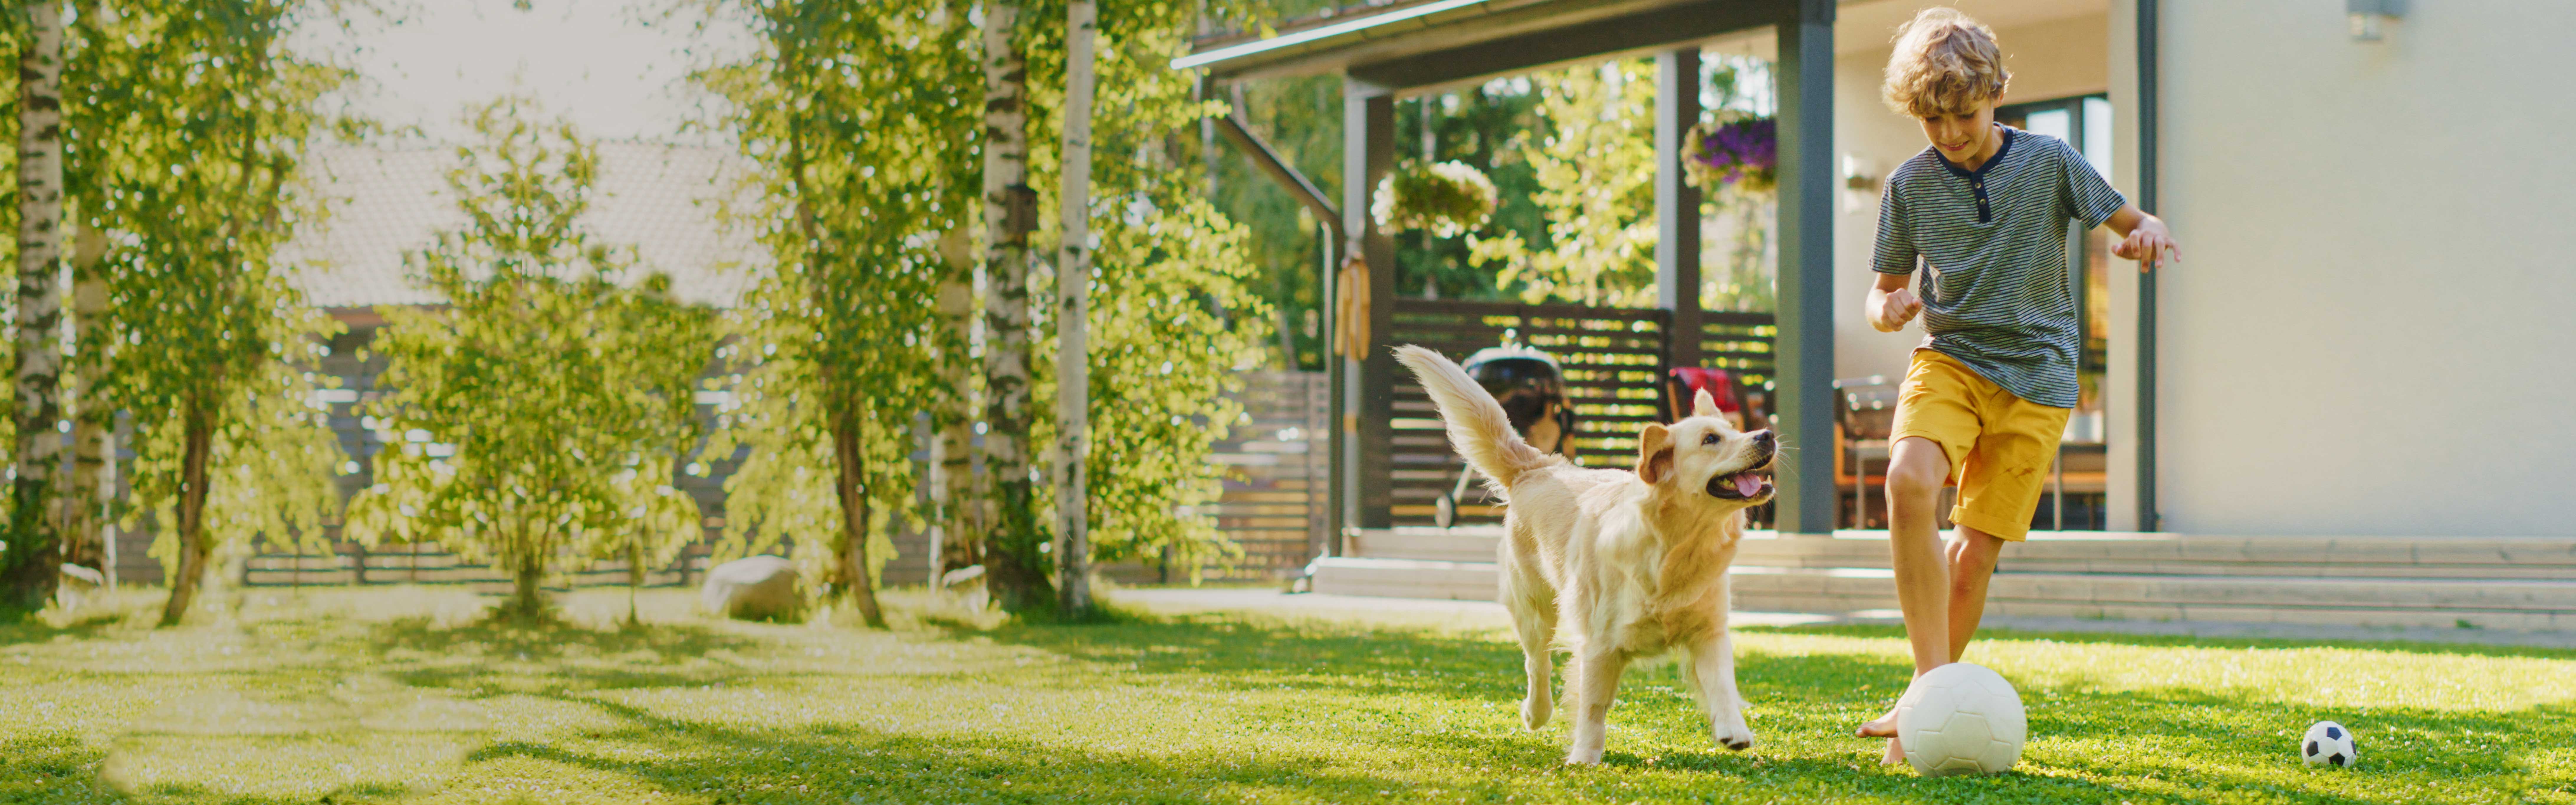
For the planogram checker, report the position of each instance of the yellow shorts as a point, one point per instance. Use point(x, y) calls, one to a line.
point(2000, 446)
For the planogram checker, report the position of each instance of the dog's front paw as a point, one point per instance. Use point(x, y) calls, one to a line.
point(1583, 757)
point(1534, 712)
point(1736, 737)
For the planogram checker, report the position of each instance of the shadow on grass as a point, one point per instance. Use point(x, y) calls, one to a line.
point(631, 656)
point(546, 640)
point(62, 768)
point(2191, 641)
point(1232, 653)
point(36, 630)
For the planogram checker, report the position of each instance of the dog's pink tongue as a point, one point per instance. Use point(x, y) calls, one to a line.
point(1747, 483)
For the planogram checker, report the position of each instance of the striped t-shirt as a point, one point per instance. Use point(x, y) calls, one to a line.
point(1993, 243)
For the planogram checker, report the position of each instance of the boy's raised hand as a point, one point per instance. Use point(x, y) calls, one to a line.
point(2149, 244)
point(1895, 309)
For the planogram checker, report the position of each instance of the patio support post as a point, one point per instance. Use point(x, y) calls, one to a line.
point(1805, 346)
point(1368, 393)
point(2148, 518)
point(1677, 206)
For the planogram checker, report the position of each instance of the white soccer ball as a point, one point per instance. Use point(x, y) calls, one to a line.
point(2329, 743)
point(1961, 718)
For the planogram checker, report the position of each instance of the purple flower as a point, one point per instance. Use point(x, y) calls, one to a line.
point(1742, 149)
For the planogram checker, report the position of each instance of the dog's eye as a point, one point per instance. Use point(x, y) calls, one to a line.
point(1708, 438)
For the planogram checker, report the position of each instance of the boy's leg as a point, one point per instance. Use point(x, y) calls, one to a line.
point(1916, 469)
point(1937, 424)
point(1999, 490)
point(1972, 564)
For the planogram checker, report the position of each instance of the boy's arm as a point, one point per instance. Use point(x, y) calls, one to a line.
point(2143, 238)
point(1892, 304)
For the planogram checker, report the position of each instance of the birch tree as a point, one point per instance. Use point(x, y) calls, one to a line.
point(93, 410)
point(1073, 314)
point(1015, 567)
point(35, 549)
point(956, 535)
point(1172, 320)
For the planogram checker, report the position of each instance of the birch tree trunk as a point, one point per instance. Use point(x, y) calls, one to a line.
point(1014, 569)
point(34, 555)
point(1073, 319)
point(93, 414)
point(952, 441)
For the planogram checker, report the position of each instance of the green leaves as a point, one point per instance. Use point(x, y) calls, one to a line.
point(862, 130)
point(546, 407)
point(865, 127)
point(186, 124)
point(1596, 173)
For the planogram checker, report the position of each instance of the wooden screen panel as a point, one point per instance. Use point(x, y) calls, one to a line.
point(1612, 358)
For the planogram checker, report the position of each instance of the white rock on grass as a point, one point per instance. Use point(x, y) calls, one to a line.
point(753, 587)
point(79, 584)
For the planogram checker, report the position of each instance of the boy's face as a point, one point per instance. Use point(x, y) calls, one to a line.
point(1960, 137)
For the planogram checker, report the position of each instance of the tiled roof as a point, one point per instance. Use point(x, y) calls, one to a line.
point(659, 198)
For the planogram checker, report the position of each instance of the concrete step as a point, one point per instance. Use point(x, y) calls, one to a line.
point(2098, 552)
point(2523, 604)
point(1461, 544)
point(2169, 554)
point(1403, 578)
point(1853, 589)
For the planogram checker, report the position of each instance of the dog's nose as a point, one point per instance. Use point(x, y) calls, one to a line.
point(1764, 438)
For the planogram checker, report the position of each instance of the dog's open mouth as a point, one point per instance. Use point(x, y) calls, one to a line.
point(1746, 485)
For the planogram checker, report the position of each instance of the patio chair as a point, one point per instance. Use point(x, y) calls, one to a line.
point(1683, 384)
point(1864, 420)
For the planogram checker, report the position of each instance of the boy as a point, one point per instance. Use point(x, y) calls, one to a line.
point(1987, 394)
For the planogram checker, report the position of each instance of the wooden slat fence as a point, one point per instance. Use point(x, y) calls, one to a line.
point(1614, 359)
point(1274, 498)
point(1741, 343)
point(1272, 508)
point(430, 564)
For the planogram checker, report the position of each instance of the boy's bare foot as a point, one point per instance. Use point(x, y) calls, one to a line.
point(1880, 727)
point(1895, 753)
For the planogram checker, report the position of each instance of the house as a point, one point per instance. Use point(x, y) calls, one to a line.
point(2343, 406)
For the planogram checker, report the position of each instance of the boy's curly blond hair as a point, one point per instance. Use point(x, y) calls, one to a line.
point(1945, 64)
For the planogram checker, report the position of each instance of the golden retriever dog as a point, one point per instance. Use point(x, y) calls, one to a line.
point(1632, 563)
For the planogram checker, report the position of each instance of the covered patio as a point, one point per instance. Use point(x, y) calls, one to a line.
point(1403, 49)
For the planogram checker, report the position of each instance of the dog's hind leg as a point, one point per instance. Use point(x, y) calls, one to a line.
point(1712, 671)
point(1533, 609)
point(1592, 679)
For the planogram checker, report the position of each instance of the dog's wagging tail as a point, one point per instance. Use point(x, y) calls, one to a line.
point(1478, 428)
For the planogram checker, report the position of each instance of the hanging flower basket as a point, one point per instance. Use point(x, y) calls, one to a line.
point(1448, 199)
point(1739, 149)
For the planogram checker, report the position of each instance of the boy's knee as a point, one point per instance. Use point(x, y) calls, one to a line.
point(1975, 550)
point(1915, 478)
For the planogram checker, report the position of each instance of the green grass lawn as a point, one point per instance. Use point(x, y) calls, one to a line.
point(400, 695)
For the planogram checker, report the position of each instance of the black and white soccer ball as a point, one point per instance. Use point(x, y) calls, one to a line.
point(2329, 743)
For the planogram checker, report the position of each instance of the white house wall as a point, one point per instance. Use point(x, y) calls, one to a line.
point(2371, 332)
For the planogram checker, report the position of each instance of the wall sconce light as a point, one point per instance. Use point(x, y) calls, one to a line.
point(1856, 174)
point(2367, 14)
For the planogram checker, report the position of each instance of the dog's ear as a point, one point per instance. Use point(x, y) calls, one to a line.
point(1704, 405)
point(1654, 453)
